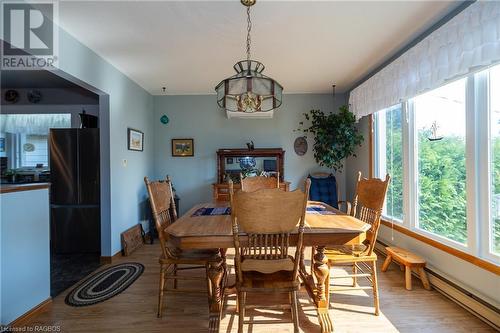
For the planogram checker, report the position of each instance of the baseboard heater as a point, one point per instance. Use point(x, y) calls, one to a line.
point(475, 305)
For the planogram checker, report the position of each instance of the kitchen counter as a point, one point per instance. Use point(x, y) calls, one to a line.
point(7, 188)
point(24, 249)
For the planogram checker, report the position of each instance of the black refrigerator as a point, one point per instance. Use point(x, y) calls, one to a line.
point(75, 190)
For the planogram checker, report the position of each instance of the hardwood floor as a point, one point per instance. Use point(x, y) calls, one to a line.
point(134, 310)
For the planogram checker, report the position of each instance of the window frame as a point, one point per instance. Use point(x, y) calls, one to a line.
point(379, 135)
point(414, 177)
point(478, 174)
point(485, 229)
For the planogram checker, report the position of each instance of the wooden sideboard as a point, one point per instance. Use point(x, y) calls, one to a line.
point(221, 190)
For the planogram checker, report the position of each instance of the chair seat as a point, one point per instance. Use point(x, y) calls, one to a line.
point(349, 253)
point(281, 281)
point(190, 256)
point(267, 266)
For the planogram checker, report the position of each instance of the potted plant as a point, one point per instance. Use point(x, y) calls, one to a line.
point(335, 136)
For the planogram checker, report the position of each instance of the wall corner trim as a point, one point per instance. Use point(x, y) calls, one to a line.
point(24, 319)
point(110, 259)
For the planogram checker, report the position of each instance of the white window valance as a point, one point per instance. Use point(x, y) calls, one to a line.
point(38, 124)
point(467, 43)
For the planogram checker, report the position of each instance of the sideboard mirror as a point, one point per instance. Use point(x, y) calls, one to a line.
point(233, 162)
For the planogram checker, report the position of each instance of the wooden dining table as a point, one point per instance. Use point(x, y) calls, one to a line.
point(325, 226)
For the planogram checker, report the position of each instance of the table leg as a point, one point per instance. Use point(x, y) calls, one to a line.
point(216, 272)
point(322, 296)
point(318, 289)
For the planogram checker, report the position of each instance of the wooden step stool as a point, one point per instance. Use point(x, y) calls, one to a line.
point(409, 260)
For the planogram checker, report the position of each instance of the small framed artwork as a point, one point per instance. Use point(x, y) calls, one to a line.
point(135, 139)
point(182, 147)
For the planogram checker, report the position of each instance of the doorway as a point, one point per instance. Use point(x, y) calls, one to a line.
point(58, 143)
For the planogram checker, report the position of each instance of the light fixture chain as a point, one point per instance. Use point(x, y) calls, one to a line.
point(249, 29)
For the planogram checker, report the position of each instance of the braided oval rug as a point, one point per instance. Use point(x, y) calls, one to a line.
point(105, 284)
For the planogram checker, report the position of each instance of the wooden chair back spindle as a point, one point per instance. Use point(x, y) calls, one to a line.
point(368, 204)
point(251, 184)
point(267, 217)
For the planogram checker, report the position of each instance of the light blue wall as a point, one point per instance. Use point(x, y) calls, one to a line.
point(129, 106)
point(198, 117)
point(25, 253)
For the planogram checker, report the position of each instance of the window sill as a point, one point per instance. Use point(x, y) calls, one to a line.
point(445, 248)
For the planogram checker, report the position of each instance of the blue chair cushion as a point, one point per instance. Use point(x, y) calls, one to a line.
point(324, 189)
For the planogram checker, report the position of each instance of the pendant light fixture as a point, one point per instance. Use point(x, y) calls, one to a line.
point(249, 90)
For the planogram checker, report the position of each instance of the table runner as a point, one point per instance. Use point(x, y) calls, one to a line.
point(321, 210)
point(204, 211)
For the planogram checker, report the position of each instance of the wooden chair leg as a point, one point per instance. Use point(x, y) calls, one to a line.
point(163, 268)
point(408, 277)
point(354, 271)
point(312, 261)
point(386, 263)
point(175, 274)
point(423, 278)
point(237, 303)
point(241, 310)
point(295, 312)
point(375, 287)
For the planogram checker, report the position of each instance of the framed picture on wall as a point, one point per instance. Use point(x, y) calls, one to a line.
point(135, 139)
point(182, 147)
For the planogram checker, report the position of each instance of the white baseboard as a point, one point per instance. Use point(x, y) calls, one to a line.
point(466, 299)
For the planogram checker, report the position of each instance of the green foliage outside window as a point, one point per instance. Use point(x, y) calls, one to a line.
point(394, 163)
point(442, 180)
point(442, 195)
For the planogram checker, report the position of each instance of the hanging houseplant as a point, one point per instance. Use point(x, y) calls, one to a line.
point(335, 136)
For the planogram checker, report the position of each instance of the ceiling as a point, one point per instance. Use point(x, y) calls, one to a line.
point(190, 46)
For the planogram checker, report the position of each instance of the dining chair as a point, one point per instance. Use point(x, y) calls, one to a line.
point(163, 208)
point(324, 188)
point(250, 184)
point(367, 206)
point(263, 221)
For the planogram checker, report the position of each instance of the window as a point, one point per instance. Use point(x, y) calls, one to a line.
point(33, 150)
point(440, 161)
point(25, 137)
point(442, 150)
point(389, 158)
point(495, 160)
